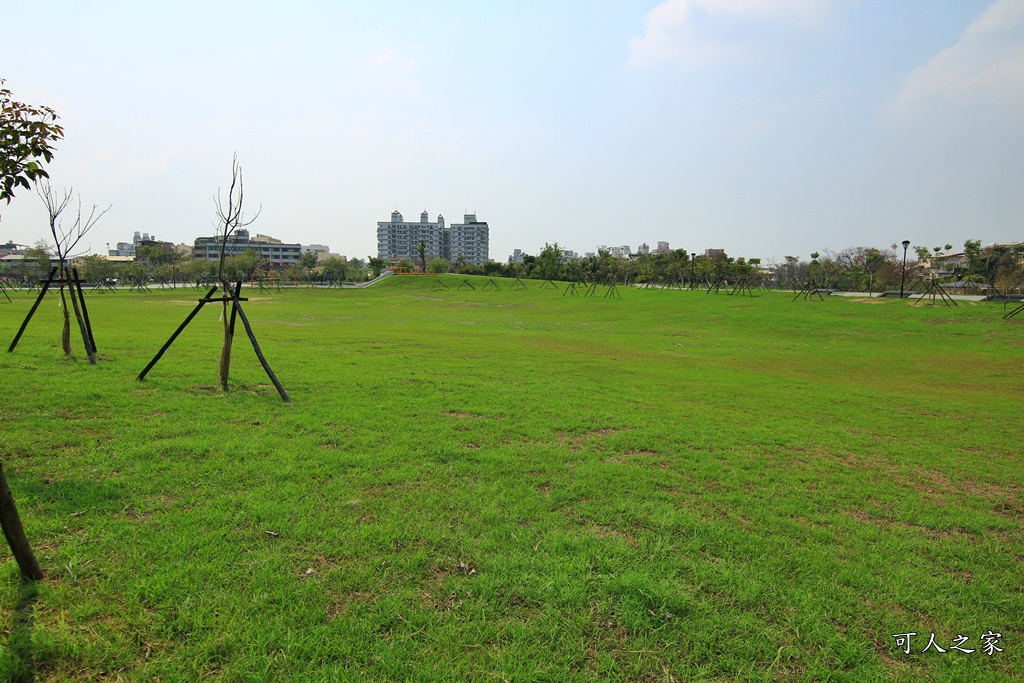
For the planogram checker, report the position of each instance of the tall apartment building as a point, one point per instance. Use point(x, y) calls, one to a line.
point(399, 239)
point(470, 239)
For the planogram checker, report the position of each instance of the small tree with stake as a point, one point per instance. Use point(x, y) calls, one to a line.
point(65, 240)
point(229, 219)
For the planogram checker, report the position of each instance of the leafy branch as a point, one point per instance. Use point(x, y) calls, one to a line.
point(27, 137)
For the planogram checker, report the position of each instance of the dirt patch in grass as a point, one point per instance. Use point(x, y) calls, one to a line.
point(578, 441)
point(940, 534)
point(390, 489)
point(602, 531)
point(345, 602)
point(935, 482)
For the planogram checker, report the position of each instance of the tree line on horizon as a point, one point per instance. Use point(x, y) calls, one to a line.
point(851, 269)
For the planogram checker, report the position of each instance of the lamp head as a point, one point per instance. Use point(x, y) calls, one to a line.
point(906, 243)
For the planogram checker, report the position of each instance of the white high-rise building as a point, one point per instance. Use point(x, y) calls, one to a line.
point(470, 239)
point(399, 239)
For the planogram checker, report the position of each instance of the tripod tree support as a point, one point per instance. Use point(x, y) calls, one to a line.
point(181, 327)
point(15, 533)
point(256, 348)
point(81, 312)
point(936, 288)
point(1014, 312)
point(236, 308)
point(808, 291)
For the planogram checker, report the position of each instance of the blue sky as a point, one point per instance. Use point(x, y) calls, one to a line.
point(765, 127)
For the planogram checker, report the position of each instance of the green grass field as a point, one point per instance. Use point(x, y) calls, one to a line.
point(517, 485)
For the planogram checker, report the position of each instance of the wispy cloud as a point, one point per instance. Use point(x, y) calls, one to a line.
point(680, 31)
point(391, 71)
point(985, 67)
point(131, 164)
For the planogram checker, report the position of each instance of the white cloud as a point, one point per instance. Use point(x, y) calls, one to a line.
point(391, 72)
point(133, 164)
point(162, 159)
point(986, 66)
point(677, 30)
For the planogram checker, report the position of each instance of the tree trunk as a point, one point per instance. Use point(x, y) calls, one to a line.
point(65, 335)
point(15, 533)
point(225, 353)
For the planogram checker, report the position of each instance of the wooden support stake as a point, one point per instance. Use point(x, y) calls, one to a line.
point(234, 309)
point(259, 354)
point(15, 533)
point(32, 311)
point(81, 323)
point(229, 332)
point(85, 311)
point(167, 345)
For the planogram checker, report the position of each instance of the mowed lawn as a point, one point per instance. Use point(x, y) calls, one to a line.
point(518, 485)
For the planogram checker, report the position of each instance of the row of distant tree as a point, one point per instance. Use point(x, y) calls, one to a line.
point(154, 264)
point(852, 269)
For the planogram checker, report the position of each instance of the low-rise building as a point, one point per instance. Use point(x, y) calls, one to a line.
point(267, 248)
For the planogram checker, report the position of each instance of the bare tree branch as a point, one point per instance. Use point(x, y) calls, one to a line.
point(230, 218)
point(67, 238)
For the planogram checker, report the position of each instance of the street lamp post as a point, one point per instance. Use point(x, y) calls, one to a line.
point(903, 275)
point(693, 255)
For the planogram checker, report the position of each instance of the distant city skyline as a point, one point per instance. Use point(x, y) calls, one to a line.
point(763, 127)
